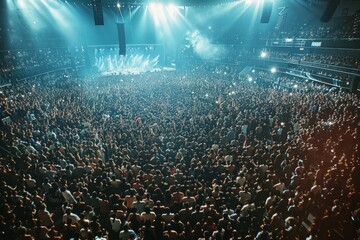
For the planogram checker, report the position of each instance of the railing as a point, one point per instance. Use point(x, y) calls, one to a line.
point(325, 67)
point(288, 67)
point(315, 43)
point(340, 69)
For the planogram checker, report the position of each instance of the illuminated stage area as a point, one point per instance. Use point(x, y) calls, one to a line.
point(181, 120)
point(139, 59)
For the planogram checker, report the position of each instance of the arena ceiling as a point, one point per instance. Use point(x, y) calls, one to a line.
point(185, 2)
point(175, 2)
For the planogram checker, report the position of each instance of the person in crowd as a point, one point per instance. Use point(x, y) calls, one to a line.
point(127, 233)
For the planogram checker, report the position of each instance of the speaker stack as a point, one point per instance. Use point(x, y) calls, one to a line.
point(98, 12)
point(121, 37)
point(266, 12)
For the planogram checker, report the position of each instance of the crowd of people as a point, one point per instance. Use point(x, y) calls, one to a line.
point(197, 154)
point(339, 27)
point(337, 70)
point(20, 64)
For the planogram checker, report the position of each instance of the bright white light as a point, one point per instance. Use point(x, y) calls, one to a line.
point(130, 64)
point(273, 70)
point(171, 7)
point(250, 79)
point(206, 95)
point(288, 39)
point(296, 86)
point(21, 3)
point(152, 6)
point(263, 54)
point(248, 2)
point(209, 27)
point(253, 71)
point(155, 6)
point(118, 5)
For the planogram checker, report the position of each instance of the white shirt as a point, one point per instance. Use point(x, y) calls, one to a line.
point(280, 187)
point(269, 201)
point(115, 224)
point(240, 180)
point(69, 198)
point(75, 218)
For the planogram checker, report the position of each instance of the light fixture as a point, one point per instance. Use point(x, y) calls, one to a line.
point(263, 54)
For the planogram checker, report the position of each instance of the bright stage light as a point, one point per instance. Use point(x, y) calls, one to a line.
point(273, 70)
point(118, 5)
point(263, 54)
point(296, 86)
point(250, 79)
point(248, 2)
point(152, 6)
point(155, 6)
point(171, 7)
point(22, 3)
